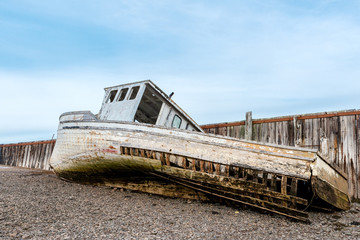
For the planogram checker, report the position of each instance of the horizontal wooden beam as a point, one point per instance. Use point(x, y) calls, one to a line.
point(327, 115)
point(216, 125)
point(27, 143)
point(283, 119)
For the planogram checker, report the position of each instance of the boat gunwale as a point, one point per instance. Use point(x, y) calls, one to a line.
point(75, 112)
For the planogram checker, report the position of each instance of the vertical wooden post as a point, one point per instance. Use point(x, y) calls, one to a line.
point(210, 166)
point(167, 159)
point(217, 168)
point(202, 166)
point(293, 190)
point(248, 126)
point(324, 147)
point(1, 156)
point(227, 170)
point(193, 164)
point(241, 173)
point(122, 150)
point(265, 177)
point(297, 132)
point(357, 158)
point(184, 162)
point(273, 182)
point(283, 184)
point(162, 159)
point(236, 170)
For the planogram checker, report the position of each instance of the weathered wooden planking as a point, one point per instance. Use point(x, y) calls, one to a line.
point(248, 126)
point(30, 155)
point(341, 130)
point(316, 133)
point(289, 161)
point(330, 129)
point(357, 174)
point(1, 156)
point(347, 151)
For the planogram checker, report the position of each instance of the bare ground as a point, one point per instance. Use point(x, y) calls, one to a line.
point(37, 205)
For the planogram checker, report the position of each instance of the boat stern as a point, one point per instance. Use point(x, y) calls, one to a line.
point(329, 183)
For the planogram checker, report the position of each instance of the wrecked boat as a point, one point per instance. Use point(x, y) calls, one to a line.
point(141, 140)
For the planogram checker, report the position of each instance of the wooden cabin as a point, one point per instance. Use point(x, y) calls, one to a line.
point(144, 102)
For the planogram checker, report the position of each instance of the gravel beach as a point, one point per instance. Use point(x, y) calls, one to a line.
point(37, 205)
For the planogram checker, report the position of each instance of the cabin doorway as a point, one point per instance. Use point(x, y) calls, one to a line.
point(149, 107)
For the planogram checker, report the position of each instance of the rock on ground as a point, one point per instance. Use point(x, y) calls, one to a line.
point(36, 204)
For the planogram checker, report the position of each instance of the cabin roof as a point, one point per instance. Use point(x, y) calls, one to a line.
point(139, 82)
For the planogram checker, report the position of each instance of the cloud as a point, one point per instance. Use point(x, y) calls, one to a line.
point(220, 58)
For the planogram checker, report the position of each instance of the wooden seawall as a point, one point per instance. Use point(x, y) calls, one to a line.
point(337, 132)
point(29, 154)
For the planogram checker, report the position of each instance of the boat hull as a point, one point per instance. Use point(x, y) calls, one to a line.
point(79, 140)
point(191, 165)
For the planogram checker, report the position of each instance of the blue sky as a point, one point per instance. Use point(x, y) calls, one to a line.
point(221, 58)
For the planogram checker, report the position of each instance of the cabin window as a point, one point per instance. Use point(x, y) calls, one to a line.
point(134, 92)
point(176, 123)
point(111, 96)
point(122, 94)
point(149, 107)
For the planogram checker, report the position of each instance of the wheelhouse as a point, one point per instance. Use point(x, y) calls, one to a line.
point(144, 102)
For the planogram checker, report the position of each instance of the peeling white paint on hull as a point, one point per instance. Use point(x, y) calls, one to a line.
point(78, 141)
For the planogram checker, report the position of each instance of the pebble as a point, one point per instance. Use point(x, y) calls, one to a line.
point(41, 206)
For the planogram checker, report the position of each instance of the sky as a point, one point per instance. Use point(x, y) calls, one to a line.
point(221, 58)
